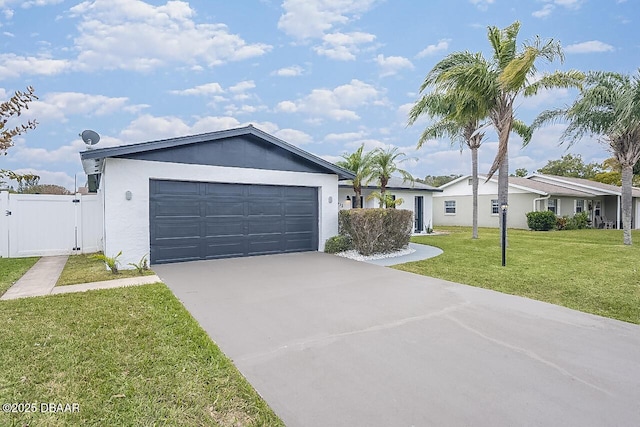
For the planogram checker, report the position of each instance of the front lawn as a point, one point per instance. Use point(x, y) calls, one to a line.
point(11, 269)
point(128, 356)
point(587, 270)
point(84, 269)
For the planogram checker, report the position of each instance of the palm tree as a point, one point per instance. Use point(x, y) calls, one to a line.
point(360, 164)
point(460, 120)
point(608, 105)
point(499, 82)
point(384, 165)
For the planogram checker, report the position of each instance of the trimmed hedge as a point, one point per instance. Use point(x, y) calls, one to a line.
point(541, 221)
point(375, 231)
point(339, 243)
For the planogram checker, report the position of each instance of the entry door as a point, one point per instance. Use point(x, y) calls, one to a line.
point(418, 212)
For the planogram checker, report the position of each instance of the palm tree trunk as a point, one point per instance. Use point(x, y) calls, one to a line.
point(627, 179)
point(356, 203)
point(474, 188)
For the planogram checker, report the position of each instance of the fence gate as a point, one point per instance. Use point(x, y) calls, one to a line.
point(44, 224)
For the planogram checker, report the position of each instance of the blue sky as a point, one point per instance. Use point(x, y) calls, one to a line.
point(325, 75)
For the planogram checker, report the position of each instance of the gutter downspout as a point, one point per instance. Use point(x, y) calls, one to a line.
point(540, 199)
point(618, 215)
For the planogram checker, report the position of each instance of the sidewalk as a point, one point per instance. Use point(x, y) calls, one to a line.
point(41, 280)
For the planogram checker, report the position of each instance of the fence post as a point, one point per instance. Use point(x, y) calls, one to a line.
point(4, 224)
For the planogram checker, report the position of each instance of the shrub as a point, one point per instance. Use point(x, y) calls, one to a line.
point(141, 266)
point(541, 221)
point(561, 222)
point(339, 243)
point(579, 221)
point(111, 262)
point(377, 230)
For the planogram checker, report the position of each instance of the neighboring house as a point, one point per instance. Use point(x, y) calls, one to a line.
point(231, 193)
point(416, 196)
point(537, 192)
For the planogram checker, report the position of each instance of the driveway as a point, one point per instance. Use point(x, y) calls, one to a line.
point(328, 341)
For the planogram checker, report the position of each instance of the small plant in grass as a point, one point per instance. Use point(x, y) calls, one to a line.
point(141, 266)
point(339, 243)
point(429, 229)
point(111, 262)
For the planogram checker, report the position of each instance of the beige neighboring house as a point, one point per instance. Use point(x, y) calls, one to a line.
point(537, 192)
point(417, 197)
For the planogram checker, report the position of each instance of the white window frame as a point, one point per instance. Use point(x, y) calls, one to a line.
point(555, 205)
point(495, 207)
point(575, 206)
point(449, 207)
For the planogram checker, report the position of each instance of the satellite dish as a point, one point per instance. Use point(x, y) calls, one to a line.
point(90, 137)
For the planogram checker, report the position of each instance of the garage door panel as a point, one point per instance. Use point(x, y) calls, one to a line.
point(218, 220)
point(227, 190)
point(266, 207)
point(176, 188)
point(223, 248)
point(177, 253)
point(187, 208)
point(176, 229)
point(221, 207)
point(224, 227)
point(264, 191)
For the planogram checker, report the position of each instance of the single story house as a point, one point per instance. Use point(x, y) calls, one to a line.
point(231, 193)
point(536, 192)
point(416, 196)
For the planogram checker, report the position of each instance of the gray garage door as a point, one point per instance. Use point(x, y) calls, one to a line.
point(200, 220)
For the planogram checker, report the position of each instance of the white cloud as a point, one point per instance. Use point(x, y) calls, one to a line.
point(592, 46)
point(544, 12)
point(30, 3)
point(544, 98)
point(12, 65)
point(242, 86)
point(293, 136)
point(346, 136)
point(59, 105)
point(149, 128)
point(304, 19)
point(343, 46)
point(336, 104)
point(54, 177)
point(392, 64)
point(482, 4)
point(205, 89)
point(134, 35)
point(294, 70)
point(442, 45)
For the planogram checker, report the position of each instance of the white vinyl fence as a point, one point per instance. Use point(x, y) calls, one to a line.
point(45, 224)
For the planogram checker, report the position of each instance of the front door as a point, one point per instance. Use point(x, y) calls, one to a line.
point(418, 212)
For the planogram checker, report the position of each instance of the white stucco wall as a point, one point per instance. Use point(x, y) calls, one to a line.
point(407, 195)
point(126, 222)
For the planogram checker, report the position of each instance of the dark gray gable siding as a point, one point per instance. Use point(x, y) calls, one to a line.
point(244, 151)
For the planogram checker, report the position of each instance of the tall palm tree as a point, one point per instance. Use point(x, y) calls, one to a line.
point(608, 105)
point(359, 163)
point(384, 165)
point(460, 120)
point(499, 81)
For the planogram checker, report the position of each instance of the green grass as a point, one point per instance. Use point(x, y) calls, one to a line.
point(83, 269)
point(587, 270)
point(11, 269)
point(128, 357)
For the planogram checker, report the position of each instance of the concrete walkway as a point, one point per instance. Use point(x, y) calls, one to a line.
point(421, 252)
point(41, 280)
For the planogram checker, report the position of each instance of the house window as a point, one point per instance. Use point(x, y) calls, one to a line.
point(470, 181)
point(552, 205)
point(495, 207)
point(450, 207)
point(597, 208)
point(579, 206)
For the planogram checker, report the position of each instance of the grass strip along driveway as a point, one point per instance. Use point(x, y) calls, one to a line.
point(587, 270)
point(127, 356)
point(84, 269)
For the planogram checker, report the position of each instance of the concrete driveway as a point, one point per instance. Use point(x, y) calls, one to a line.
point(329, 341)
